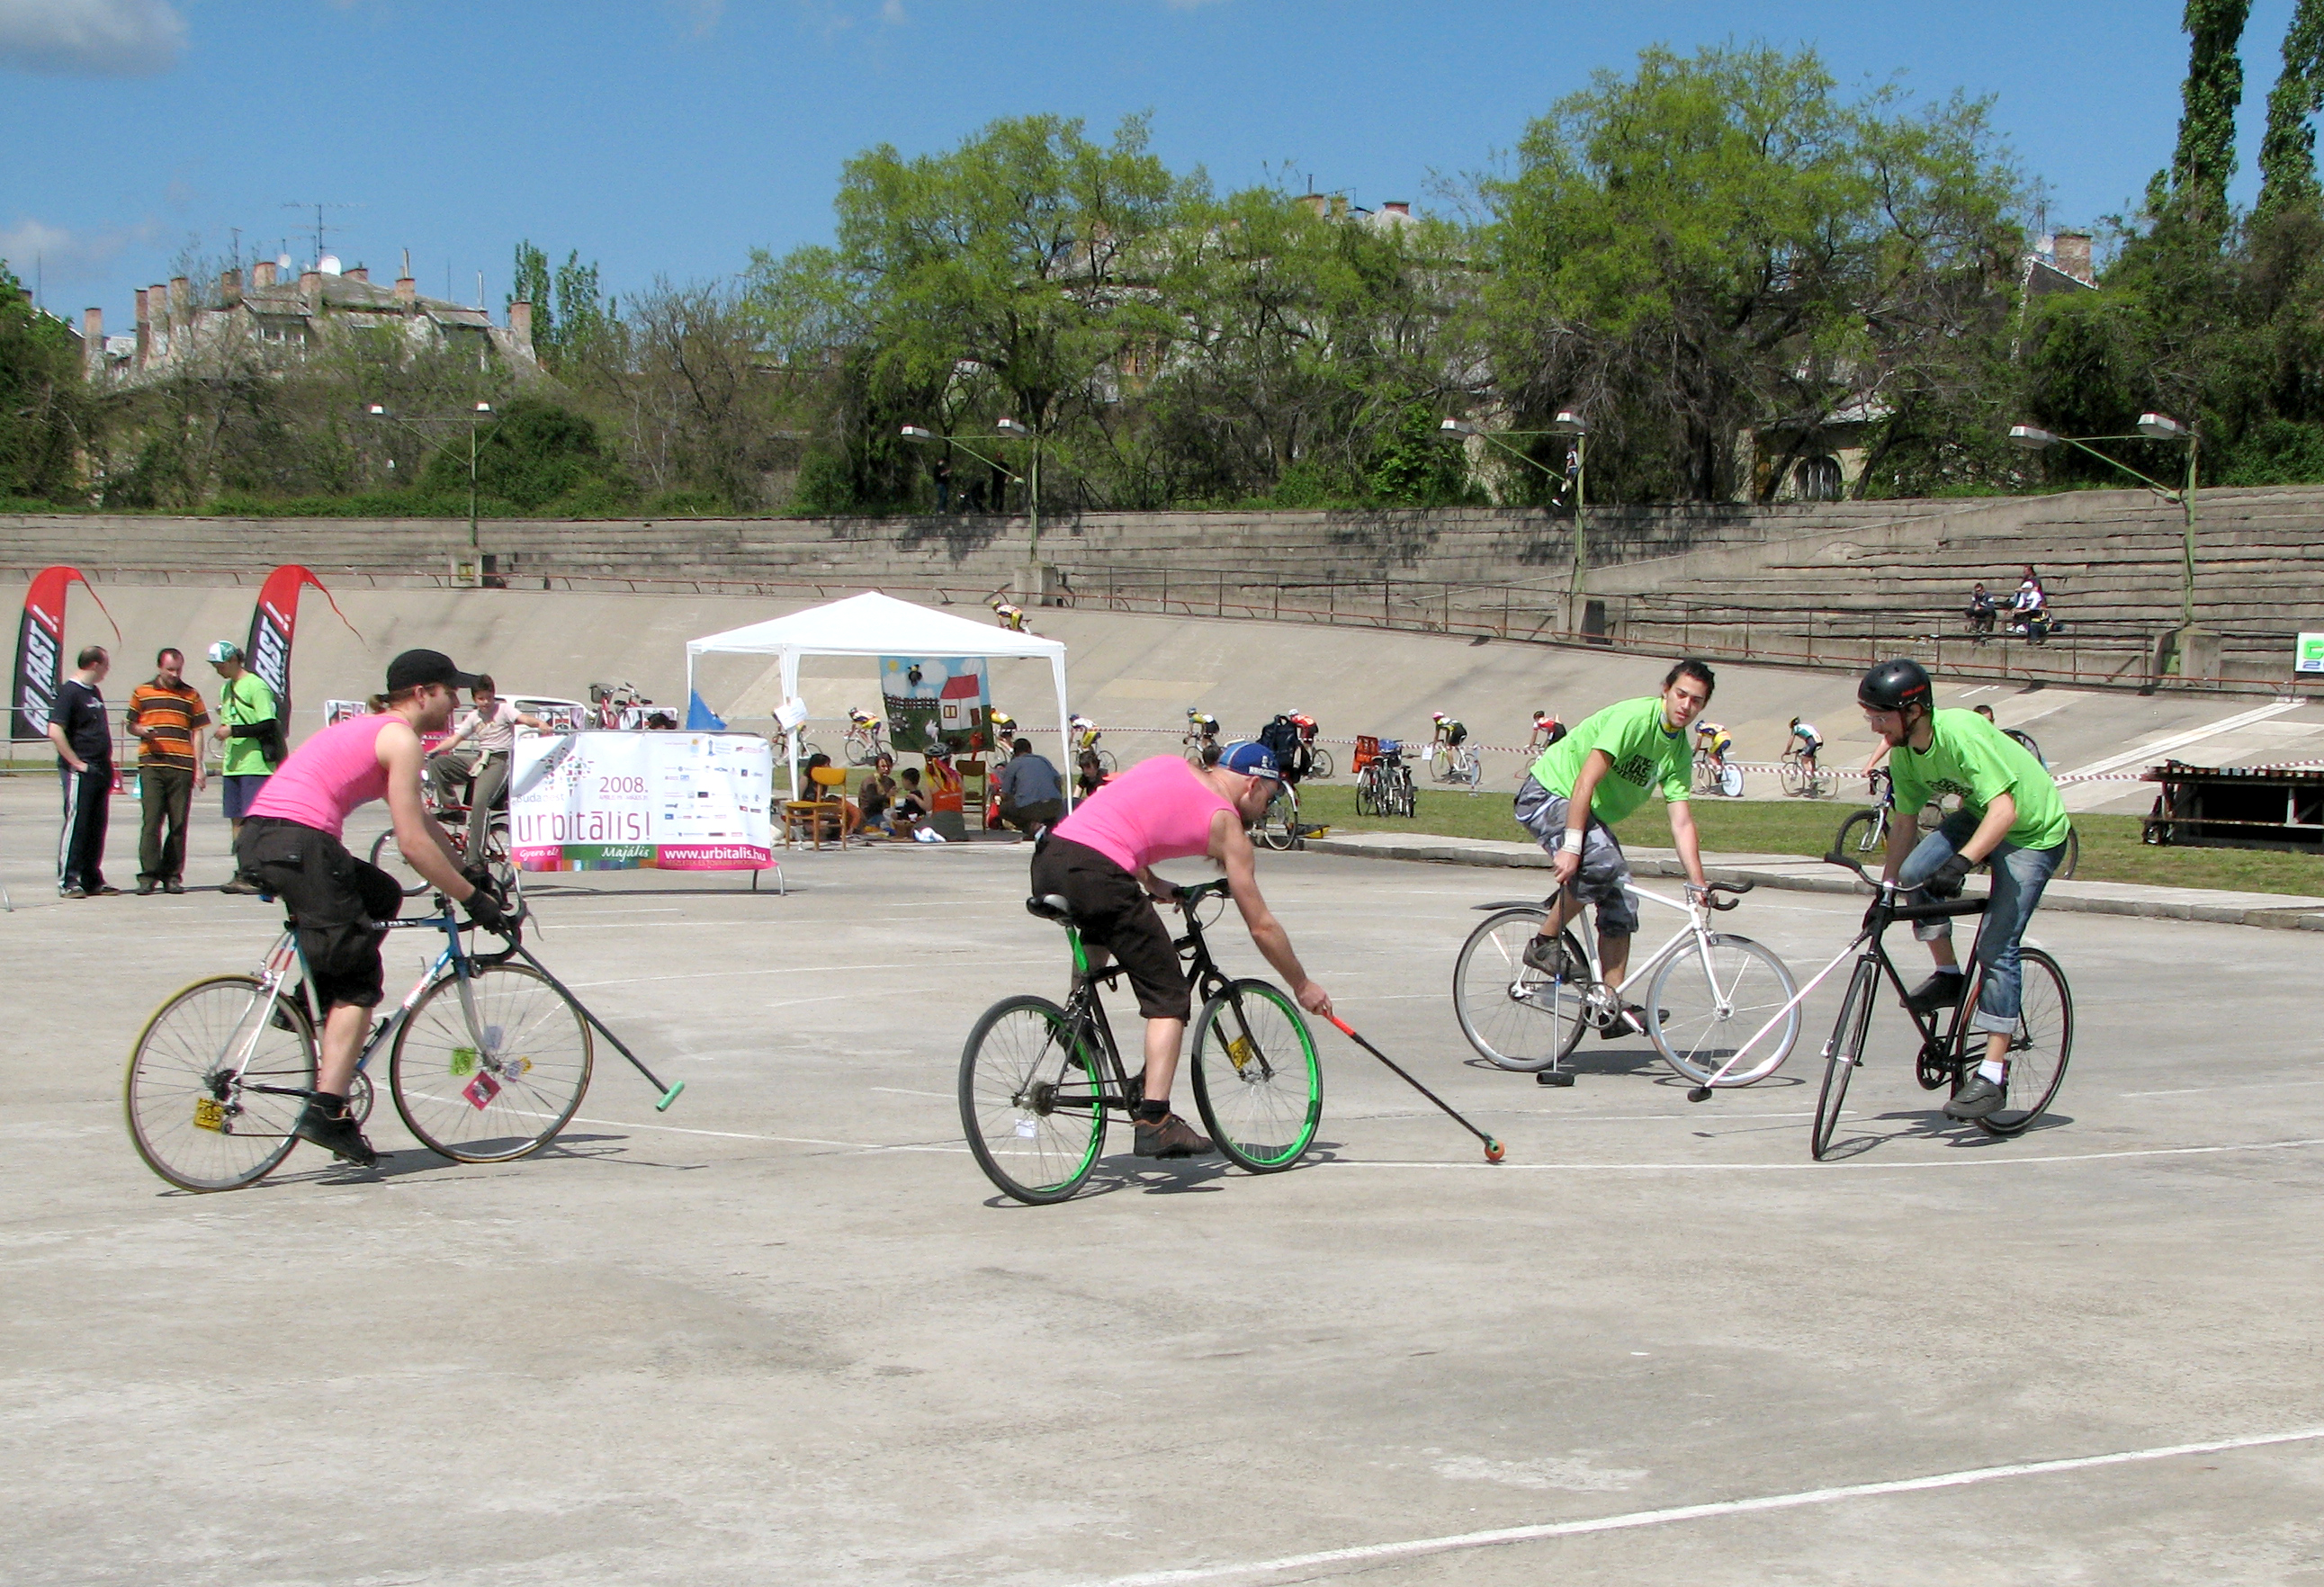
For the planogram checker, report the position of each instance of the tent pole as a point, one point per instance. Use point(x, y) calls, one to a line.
point(1064, 731)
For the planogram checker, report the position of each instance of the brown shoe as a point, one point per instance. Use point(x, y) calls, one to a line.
point(1172, 1137)
point(240, 887)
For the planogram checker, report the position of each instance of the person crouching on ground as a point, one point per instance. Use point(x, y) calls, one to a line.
point(1101, 860)
point(1031, 794)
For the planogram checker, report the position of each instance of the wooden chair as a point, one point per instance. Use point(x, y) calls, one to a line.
point(830, 784)
point(975, 792)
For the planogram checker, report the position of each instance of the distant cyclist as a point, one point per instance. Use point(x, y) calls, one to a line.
point(1451, 731)
point(1808, 741)
point(1010, 615)
point(1716, 741)
point(2010, 816)
point(1576, 792)
point(1546, 731)
point(1203, 734)
point(291, 847)
point(1100, 860)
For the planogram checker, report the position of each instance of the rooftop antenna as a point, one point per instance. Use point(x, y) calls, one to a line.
point(319, 210)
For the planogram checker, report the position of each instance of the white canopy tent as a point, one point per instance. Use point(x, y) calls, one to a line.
point(873, 624)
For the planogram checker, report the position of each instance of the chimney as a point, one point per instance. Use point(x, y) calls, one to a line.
point(230, 288)
point(310, 287)
point(144, 327)
point(2073, 255)
point(157, 306)
point(181, 299)
point(261, 274)
point(521, 324)
point(361, 272)
point(407, 291)
point(1397, 208)
point(92, 340)
point(1314, 202)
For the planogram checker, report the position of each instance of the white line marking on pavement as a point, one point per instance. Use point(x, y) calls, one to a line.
point(1505, 1536)
point(942, 1096)
point(2154, 753)
point(1971, 1162)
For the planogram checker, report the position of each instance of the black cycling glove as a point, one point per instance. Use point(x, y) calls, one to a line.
point(1946, 882)
point(477, 875)
point(485, 907)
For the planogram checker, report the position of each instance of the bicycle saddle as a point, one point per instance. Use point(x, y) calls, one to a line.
point(1050, 906)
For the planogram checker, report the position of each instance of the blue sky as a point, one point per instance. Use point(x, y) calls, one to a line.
point(671, 136)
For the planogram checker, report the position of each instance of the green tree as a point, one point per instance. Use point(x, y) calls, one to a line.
point(1719, 244)
point(42, 406)
point(574, 320)
point(2195, 189)
point(2287, 152)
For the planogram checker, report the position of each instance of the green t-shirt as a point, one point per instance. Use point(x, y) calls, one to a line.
point(242, 701)
point(1644, 751)
point(1972, 757)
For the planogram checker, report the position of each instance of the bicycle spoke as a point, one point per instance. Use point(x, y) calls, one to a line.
point(215, 1084)
point(1030, 1100)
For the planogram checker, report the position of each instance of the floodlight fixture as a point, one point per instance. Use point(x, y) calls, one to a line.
point(2030, 438)
point(2161, 427)
point(913, 432)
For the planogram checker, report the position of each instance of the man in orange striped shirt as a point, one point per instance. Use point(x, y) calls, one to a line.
point(168, 716)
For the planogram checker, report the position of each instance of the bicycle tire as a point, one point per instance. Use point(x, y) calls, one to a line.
point(174, 1068)
point(1321, 765)
point(1791, 779)
point(1862, 829)
point(525, 1071)
point(1256, 1081)
point(1694, 1036)
point(1703, 779)
point(2044, 1043)
point(1019, 1058)
point(1106, 763)
point(389, 857)
point(1841, 1057)
point(1278, 827)
point(1501, 1002)
point(2071, 858)
point(1367, 793)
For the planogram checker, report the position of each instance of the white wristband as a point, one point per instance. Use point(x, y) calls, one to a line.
point(1572, 844)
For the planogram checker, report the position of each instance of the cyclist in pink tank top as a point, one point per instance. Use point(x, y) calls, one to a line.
point(1101, 860)
point(288, 845)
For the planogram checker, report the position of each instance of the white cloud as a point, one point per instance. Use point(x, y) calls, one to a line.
point(90, 37)
point(65, 257)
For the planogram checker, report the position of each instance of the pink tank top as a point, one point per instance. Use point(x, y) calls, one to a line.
point(1158, 809)
point(329, 776)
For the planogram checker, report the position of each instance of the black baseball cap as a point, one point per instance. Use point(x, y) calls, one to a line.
point(414, 668)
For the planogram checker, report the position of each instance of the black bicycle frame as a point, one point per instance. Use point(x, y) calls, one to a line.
point(1085, 1015)
point(1936, 1047)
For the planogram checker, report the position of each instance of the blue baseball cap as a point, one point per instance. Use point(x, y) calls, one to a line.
point(1252, 760)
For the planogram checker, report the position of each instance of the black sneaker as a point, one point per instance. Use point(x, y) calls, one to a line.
point(1630, 1021)
point(1172, 1137)
point(1547, 954)
point(1938, 992)
point(1979, 1099)
point(336, 1133)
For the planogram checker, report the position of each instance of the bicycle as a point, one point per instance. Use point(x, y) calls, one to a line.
point(1037, 1081)
point(1278, 826)
point(1867, 831)
point(1086, 734)
point(1320, 763)
point(1713, 775)
point(1456, 763)
point(2039, 1048)
point(1703, 989)
point(863, 745)
point(1384, 786)
point(1799, 781)
point(453, 817)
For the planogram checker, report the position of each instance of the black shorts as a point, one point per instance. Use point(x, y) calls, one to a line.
point(334, 897)
point(1114, 913)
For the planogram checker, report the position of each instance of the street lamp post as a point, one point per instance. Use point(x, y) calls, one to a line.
point(482, 412)
point(1570, 424)
point(919, 435)
point(2152, 427)
point(1010, 427)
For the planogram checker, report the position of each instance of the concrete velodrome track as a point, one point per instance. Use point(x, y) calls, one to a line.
point(786, 1332)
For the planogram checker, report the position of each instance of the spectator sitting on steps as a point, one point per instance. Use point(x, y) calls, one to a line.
point(1981, 609)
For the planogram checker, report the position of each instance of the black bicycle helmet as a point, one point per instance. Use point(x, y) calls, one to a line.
point(1896, 686)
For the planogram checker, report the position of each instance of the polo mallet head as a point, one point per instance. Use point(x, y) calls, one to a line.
point(661, 1103)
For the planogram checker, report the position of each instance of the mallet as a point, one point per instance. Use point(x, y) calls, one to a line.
point(1493, 1149)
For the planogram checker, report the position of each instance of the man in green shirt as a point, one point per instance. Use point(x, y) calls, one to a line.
point(246, 726)
point(2010, 815)
point(1583, 784)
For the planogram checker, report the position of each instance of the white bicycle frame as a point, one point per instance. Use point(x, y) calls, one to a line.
point(1697, 931)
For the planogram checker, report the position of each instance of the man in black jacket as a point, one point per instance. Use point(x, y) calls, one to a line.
point(77, 727)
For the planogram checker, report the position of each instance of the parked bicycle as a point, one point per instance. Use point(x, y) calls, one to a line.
point(1038, 1083)
point(1712, 998)
point(2039, 1049)
point(1383, 786)
point(487, 1060)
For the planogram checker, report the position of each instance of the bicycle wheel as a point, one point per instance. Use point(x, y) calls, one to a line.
point(1708, 1010)
point(1320, 765)
point(2073, 857)
point(1278, 828)
point(1367, 793)
point(860, 753)
point(1105, 763)
point(1844, 1053)
point(1860, 833)
point(2038, 1052)
point(1407, 797)
point(1520, 1017)
point(1789, 775)
point(1257, 1082)
point(1028, 1104)
point(202, 1116)
point(502, 1087)
point(1704, 777)
point(388, 857)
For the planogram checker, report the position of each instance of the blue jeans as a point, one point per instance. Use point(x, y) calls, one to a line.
point(2019, 875)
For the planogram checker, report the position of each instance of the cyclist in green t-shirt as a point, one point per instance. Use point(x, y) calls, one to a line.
point(247, 724)
point(2010, 816)
point(1590, 779)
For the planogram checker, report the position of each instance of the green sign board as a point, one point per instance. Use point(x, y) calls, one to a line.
point(2309, 658)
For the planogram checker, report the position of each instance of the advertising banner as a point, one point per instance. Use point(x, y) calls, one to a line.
point(939, 704)
point(2309, 657)
point(41, 650)
point(632, 802)
point(272, 622)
